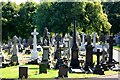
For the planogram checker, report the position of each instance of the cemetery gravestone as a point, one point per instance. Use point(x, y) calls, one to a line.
point(34, 54)
point(20, 47)
point(24, 43)
point(45, 55)
point(45, 37)
point(83, 42)
point(58, 52)
point(94, 41)
point(89, 54)
point(1, 56)
point(63, 71)
point(42, 68)
point(98, 68)
point(14, 58)
point(23, 72)
point(9, 46)
point(74, 56)
point(66, 46)
point(30, 42)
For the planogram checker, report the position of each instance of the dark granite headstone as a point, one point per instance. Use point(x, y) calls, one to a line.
point(45, 37)
point(63, 71)
point(59, 62)
point(23, 72)
point(58, 51)
point(98, 68)
point(42, 68)
point(74, 55)
point(89, 54)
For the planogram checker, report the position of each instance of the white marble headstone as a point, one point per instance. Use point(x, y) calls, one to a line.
point(34, 54)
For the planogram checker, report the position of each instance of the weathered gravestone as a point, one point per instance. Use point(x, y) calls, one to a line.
point(9, 46)
point(46, 52)
point(1, 56)
point(14, 58)
point(111, 62)
point(45, 37)
point(63, 71)
point(42, 68)
point(20, 46)
point(98, 68)
point(66, 46)
point(74, 55)
point(30, 42)
point(24, 42)
point(89, 54)
point(58, 51)
point(23, 72)
point(34, 54)
point(94, 41)
point(83, 42)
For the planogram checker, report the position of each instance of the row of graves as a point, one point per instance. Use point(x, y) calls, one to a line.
point(67, 56)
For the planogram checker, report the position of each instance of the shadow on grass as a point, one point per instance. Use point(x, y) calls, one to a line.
point(33, 68)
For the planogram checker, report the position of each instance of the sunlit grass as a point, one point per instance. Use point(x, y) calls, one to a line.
point(33, 72)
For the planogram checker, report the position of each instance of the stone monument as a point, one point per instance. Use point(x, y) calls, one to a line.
point(14, 58)
point(34, 54)
point(89, 54)
point(74, 55)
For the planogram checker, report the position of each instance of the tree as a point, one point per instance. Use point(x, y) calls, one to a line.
point(58, 17)
point(9, 10)
point(113, 11)
point(25, 23)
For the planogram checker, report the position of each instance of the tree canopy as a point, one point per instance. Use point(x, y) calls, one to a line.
point(58, 17)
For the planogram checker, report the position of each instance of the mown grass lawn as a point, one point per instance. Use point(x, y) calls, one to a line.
point(33, 72)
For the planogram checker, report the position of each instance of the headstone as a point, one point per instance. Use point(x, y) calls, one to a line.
point(94, 41)
point(59, 62)
point(63, 71)
point(24, 42)
point(66, 46)
point(110, 50)
point(14, 58)
point(98, 68)
point(1, 56)
point(45, 55)
point(34, 54)
point(42, 68)
point(30, 42)
point(23, 72)
point(74, 55)
point(20, 47)
point(45, 37)
point(78, 39)
point(58, 51)
point(83, 42)
point(89, 54)
point(9, 46)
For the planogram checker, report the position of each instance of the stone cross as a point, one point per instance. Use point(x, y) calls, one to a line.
point(34, 51)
